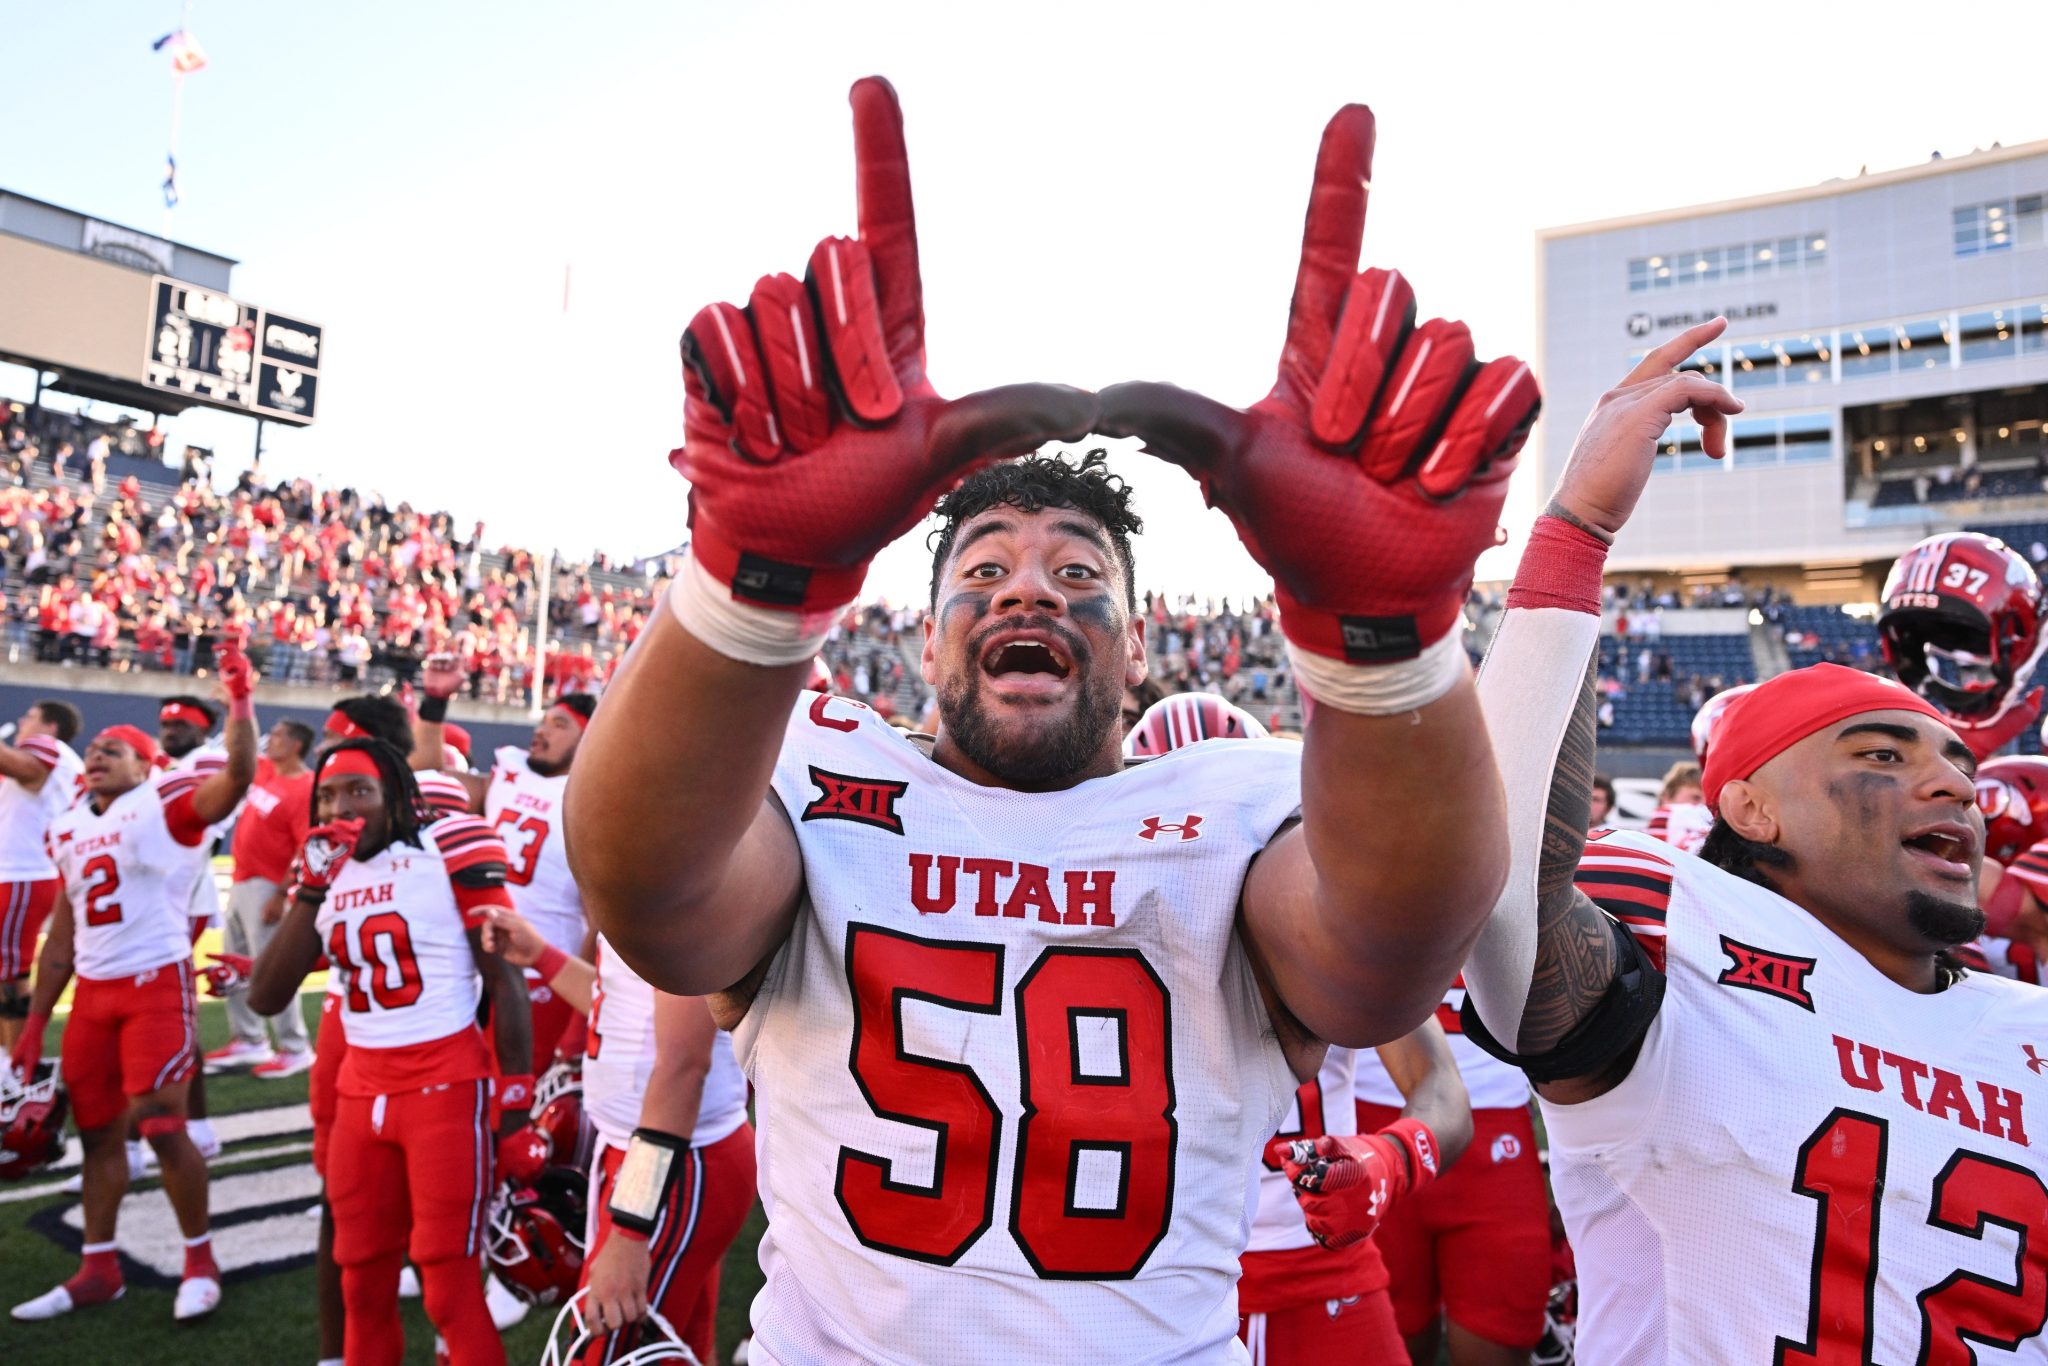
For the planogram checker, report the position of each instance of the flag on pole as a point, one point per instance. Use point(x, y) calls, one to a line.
point(186, 54)
point(170, 182)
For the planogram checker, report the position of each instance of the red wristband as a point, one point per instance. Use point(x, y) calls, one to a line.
point(1560, 568)
point(515, 1093)
point(242, 708)
point(549, 963)
point(1425, 1157)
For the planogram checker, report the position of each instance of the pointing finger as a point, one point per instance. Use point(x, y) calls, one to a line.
point(1332, 234)
point(1672, 354)
point(888, 224)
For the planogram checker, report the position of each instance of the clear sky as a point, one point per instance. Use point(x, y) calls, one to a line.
point(1105, 191)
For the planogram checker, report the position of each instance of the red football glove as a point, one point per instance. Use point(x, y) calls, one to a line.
point(522, 1155)
point(1372, 476)
point(1346, 1184)
point(237, 675)
point(327, 848)
point(812, 437)
point(440, 675)
point(1985, 738)
point(28, 1046)
point(227, 973)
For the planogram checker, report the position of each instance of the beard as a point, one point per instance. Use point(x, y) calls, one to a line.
point(1942, 921)
point(1042, 756)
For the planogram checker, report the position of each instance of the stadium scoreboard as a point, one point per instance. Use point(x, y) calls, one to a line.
point(230, 354)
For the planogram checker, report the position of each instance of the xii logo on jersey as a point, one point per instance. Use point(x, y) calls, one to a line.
point(1773, 974)
point(865, 801)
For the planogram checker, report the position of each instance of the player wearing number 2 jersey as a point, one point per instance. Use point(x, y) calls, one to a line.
point(124, 854)
point(1767, 1080)
point(522, 799)
point(398, 909)
point(1021, 1021)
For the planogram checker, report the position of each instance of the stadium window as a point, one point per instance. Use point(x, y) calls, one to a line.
point(1761, 256)
point(1638, 275)
point(1703, 362)
point(1866, 351)
point(2001, 225)
point(1805, 360)
point(1923, 345)
point(1989, 335)
point(1660, 273)
point(1753, 365)
point(1706, 266)
point(1790, 250)
point(2033, 322)
point(1808, 437)
point(1753, 441)
point(1997, 226)
point(2030, 223)
point(1816, 250)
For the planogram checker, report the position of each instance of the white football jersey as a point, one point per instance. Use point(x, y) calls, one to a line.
point(1321, 1105)
point(202, 894)
point(25, 816)
point(1808, 1162)
point(526, 810)
point(1013, 1070)
point(619, 1058)
point(1490, 1083)
point(399, 948)
point(128, 879)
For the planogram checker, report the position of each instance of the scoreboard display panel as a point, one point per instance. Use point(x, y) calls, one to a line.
point(230, 354)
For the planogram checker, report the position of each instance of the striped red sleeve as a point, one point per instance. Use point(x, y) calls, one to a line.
point(476, 862)
point(43, 750)
point(1632, 885)
point(187, 826)
point(442, 795)
point(2031, 870)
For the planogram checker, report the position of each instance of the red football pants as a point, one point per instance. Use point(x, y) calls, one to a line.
point(24, 906)
point(128, 1036)
point(707, 1206)
point(1358, 1331)
point(409, 1175)
point(1475, 1243)
point(330, 1046)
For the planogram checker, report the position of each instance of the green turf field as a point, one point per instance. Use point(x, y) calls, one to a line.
point(267, 1315)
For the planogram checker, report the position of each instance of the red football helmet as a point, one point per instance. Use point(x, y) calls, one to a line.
point(561, 1122)
point(2013, 795)
point(536, 1236)
point(1961, 624)
point(32, 1113)
point(1186, 717)
point(1709, 715)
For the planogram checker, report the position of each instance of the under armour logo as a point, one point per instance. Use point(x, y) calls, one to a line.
point(1155, 826)
point(2036, 1064)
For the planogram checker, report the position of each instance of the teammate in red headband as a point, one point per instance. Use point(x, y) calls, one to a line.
point(1763, 1069)
point(522, 798)
point(127, 854)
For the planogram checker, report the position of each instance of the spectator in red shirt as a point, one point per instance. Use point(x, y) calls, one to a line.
point(272, 826)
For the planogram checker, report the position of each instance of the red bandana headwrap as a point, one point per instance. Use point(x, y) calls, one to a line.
point(186, 712)
point(1760, 726)
point(134, 738)
point(338, 723)
point(582, 721)
point(350, 763)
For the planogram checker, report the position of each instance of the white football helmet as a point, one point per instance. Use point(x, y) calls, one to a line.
point(668, 1346)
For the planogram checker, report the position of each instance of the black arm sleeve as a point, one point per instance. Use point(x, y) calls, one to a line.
point(1616, 1025)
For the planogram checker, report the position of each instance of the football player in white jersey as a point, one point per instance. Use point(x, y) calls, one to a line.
point(1791, 1099)
point(522, 799)
point(130, 1046)
point(399, 908)
point(1468, 1258)
point(1021, 1022)
point(673, 1175)
point(39, 777)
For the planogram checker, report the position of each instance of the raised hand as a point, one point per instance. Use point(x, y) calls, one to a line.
point(812, 437)
point(328, 847)
point(237, 674)
point(1372, 476)
point(1345, 1184)
point(1610, 460)
point(440, 675)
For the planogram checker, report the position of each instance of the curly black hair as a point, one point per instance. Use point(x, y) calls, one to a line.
point(1037, 482)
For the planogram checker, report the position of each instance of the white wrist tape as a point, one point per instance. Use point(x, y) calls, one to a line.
point(738, 630)
point(1383, 689)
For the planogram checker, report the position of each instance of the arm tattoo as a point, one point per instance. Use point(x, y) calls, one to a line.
point(1575, 957)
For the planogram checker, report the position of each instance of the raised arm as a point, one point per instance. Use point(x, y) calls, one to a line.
point(1367, 483)
point(25, 765)
point(812, 438)
point(215, 799)
point(1554, 983)
point(440, 676)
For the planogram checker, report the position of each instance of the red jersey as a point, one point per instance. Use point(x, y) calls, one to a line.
point(275, 817)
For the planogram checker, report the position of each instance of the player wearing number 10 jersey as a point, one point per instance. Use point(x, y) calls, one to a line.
point(1768, 1081)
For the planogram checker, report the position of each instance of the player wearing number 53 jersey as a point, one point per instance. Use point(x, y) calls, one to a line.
point(398, 908)
point(1767, 1080)
point(1020, 1021)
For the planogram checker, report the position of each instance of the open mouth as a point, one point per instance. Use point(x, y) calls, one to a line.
point(1950, 847)
point(1026, 659)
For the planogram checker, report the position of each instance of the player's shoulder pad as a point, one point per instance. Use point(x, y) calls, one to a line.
point(510, 758)
point(175, 783)
point(467, 842)
point(822, 721)
point(46, 750)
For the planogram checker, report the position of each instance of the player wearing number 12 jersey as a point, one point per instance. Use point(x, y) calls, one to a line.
point(1767, 1080)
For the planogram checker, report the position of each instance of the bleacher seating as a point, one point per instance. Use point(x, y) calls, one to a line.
point(1659, 712)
